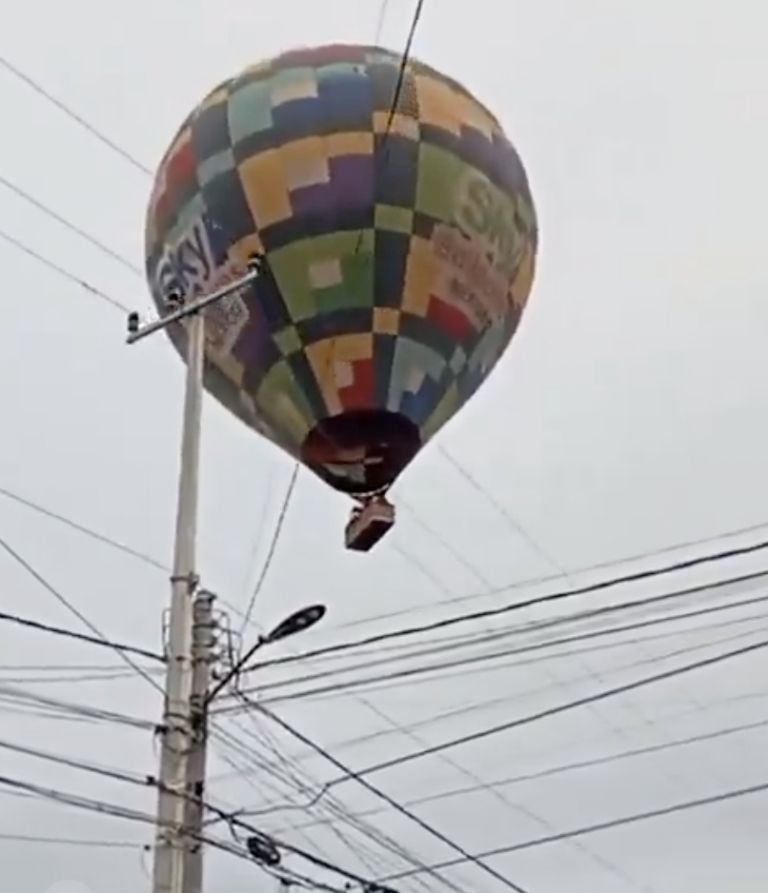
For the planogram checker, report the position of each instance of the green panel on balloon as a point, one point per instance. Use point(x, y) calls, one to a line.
point(439, 173)
point(284, 403)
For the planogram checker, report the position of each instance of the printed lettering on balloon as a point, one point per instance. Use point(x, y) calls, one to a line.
point(491, 217)
point(481, 252)
point(188, 268)
point(474, 280)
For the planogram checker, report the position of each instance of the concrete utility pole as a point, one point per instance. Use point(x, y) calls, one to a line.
point(178, 863)
point(203, 656)
point(178, 738)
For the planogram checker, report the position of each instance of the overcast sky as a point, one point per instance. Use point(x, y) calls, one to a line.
point(627, 416)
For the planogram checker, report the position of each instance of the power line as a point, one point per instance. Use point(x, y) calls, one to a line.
point(564, 768)
point(12, 693)
point(291, 773)
point(54, 215)
point(86, 531)
point(76, 612)
point(66, 274)
point(102, 807)
point(503, 511)
point(380, 21)
point(272, 547)
point(115, 811)
point(99, 537)
point(447, 545)
point(553, 578)
point(486, 785)
point(601, 826)
point(234, 821)
point(594, 614)
point(387, 799)
point(74, 116)
point(73, 841)
point(64, 679)
point(92, 768)
point(463, 663)
point(568, 706)
point(343, 815)
point(80, 637)
point(400, 82)
point(419, 8)
point(62, 668)
point(562, 595)
point(159, 565)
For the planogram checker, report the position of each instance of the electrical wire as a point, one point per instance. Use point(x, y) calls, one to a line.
point(81, 765)
point(54, 215)
point(474, 660)
point(86, 531)
point(601, 826)
point(102, 807)
point(12, 693)
point(64, 273)
point(99, 537)
point(554, 578)
point(503, 511)
point(402, 70)
point(31, 713)
point(452, 645)
point(406, 56)
point(72, 841)
point(80, 637)
point(292, 771)
point(383, 6)
point(272, 547)
point(159, 565)
point(250, 752)
point(395, 680)
point(234, 820)
point(62, 668)
point(483, 785)
point(63, 600)
point(568, 706)
point(398, 807)
point(635, 576)
point(575, 766)
point(74, 678)
point(446, 544)
point(74, 116)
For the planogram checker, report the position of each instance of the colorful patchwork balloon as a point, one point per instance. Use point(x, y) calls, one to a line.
point(398, 238)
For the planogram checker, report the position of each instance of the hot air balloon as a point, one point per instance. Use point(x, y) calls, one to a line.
point(397, 237)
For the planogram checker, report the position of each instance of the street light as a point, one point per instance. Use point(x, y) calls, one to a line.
point(297, 622)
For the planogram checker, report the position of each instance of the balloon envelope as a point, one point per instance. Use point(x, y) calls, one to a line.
point(399, 245)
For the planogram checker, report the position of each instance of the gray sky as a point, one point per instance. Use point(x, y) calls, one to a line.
point(628, 415)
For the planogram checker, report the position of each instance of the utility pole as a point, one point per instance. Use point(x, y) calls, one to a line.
point(171, 840)
point(178, 862)
point(203, 655)
point(177, 735)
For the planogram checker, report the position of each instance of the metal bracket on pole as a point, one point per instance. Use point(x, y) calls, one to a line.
point(183, 309)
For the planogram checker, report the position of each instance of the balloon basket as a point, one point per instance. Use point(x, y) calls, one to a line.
point(368, 524)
